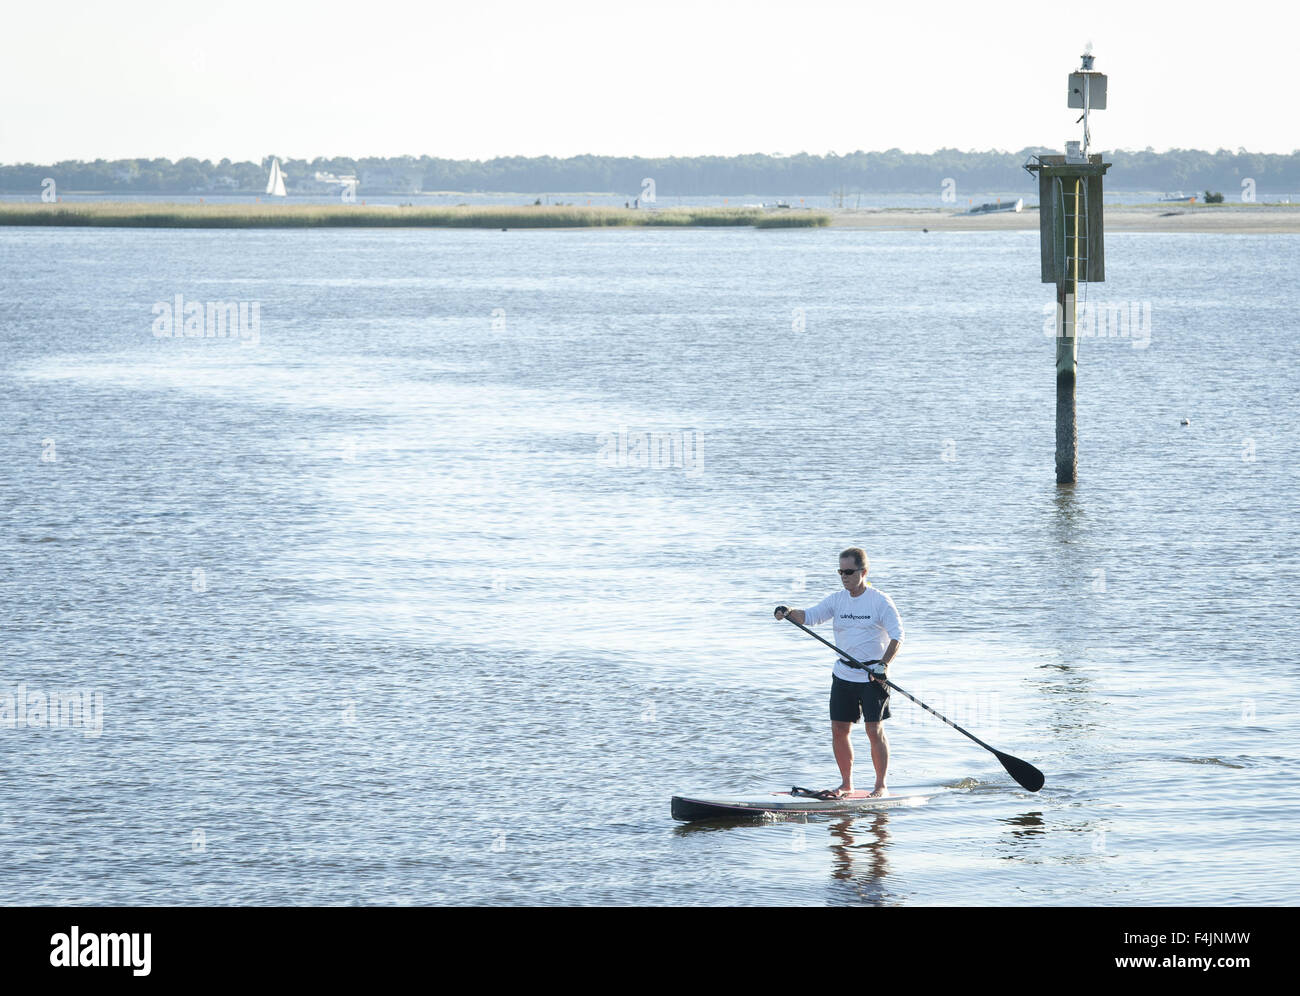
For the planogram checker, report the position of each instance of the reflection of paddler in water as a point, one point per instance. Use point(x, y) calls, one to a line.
point(858, 850)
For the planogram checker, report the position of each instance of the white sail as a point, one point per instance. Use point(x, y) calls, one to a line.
point(275, 182)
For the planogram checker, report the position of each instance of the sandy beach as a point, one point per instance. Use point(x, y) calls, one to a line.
point(1254, 220)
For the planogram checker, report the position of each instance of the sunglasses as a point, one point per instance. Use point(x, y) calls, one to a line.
point(844, 573)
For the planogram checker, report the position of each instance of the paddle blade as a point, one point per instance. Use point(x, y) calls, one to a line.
point(1022, 771)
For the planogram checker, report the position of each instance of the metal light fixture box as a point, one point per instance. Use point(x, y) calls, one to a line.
point(1095, 86)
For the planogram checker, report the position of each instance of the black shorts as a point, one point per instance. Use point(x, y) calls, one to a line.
point(851, 700)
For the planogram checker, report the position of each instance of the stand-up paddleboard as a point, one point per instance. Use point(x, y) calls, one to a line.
point(715, 807)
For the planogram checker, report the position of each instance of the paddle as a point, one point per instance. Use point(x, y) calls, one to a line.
point(1022, 771)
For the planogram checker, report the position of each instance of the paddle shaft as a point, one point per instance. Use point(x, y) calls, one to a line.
point(1022, 771)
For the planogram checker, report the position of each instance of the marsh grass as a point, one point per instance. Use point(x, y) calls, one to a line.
point(786, 219)
point(132, 214)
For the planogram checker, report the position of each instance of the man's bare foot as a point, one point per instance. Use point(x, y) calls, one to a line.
point(879, 792)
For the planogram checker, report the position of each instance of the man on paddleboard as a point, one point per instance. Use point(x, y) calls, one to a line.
point(867, 627)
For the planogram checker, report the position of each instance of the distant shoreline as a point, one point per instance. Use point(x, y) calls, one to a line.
point(1247, 219)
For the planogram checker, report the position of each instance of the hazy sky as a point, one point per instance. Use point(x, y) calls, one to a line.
point(478, 79)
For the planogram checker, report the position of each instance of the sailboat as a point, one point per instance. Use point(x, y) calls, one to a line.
point(275, 182)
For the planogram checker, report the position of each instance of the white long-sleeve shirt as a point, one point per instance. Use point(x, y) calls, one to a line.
point(863, 626)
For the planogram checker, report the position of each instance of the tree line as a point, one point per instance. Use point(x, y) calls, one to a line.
point(756, 174)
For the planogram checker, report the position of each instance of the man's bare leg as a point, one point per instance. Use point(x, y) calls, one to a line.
point(843, 752)
point(879, 756)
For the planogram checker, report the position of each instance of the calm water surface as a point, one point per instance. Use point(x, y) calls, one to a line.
point(375, 619)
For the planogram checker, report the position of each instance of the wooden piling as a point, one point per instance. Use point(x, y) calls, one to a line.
point(1067, 358)
point(1072, 249)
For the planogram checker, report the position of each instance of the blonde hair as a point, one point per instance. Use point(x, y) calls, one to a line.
point(859, 556)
